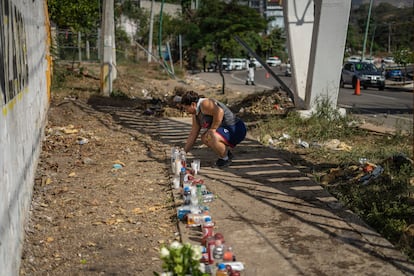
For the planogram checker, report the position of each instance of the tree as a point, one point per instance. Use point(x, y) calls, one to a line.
point(393, 25)
point(403, 57)
point(216, 23)
point(77, 15)
point(275, 43)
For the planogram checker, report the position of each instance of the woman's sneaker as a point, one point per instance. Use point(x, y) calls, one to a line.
point(230, 155)
point(221, 163)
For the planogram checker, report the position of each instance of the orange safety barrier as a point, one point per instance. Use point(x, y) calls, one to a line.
point(357, 88)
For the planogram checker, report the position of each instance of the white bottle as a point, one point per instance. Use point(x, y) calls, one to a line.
point(178, 166)
point(194, 204)
point(183, 158)
point(175, 154)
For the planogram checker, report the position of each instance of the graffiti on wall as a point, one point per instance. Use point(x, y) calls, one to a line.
point(14, 71)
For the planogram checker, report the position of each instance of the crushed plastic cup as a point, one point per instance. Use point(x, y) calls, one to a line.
point(176, 182)
point(195, 165)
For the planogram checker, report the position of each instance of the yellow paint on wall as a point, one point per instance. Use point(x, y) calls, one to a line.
point(10, 105)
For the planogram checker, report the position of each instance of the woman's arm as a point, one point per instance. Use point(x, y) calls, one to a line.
point(192, 137)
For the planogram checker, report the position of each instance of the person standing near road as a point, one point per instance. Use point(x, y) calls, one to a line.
point(250, 71)
point(383, 67)
point(204, 63)
point(221, 128)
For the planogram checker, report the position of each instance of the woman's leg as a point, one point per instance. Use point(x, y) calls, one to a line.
point(215, 142)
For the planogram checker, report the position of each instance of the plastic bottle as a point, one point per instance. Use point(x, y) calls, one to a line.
point(183, 158)
point(235, 266)
point(178, 166)
point(194, 219)
point(210, 243)
point(208, 197)
point(176, 182)
point(218, 251)
point(182, 176)
point(183, 211)
point(232, 272)
point(228, 255)
point(195, 205)
point(187, 195)
point(175, 154)
point(208, 229)
point(222, 271)
point(204, 255)
point(199, 194)
point(173, 159)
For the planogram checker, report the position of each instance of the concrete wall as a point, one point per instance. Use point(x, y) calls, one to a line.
point(170, 9)
point(24, 100)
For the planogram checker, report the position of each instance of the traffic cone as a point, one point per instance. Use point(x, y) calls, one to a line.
point(267, 75)
point(357, 88)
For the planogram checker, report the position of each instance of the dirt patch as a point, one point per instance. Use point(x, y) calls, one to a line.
point(101, 201)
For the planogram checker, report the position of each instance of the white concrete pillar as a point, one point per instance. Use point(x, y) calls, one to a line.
point(299, 18)
point(327, 51)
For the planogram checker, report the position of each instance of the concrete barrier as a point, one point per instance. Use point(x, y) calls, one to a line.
point(25, 71)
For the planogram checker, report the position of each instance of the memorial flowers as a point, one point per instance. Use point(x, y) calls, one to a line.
point(181, 259)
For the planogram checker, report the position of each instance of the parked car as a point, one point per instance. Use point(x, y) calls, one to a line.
point(389, 60)
point(237, 64)
point(367, 73)
point(394, 74)
point(368, 60)
point(354, 59)
point(225, 63)
point(273, 61)
point(256, 63)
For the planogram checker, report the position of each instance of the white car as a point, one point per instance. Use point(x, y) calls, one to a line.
point(389, 60)
point(237, 64)
point(354, 59)
point(256, 63)
point(368, 59)
point(273, 61)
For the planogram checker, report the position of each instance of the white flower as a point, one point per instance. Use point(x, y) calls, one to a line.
point(165, 253)
point(176, 245)
point(196, 252)
point(202, 267)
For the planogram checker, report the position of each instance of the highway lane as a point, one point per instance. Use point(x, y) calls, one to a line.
point(391, 107)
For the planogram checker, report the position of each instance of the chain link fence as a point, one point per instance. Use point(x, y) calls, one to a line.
point(70, 46)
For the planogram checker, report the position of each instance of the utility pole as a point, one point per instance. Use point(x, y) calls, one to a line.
point(372, 41)
point(107, 64)
point(389, 37)
point(151, 31)
point(366, 30)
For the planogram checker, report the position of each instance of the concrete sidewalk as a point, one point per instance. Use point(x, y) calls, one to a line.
point(278, 221)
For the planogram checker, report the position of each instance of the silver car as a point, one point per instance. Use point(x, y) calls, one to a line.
point(367, 73)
